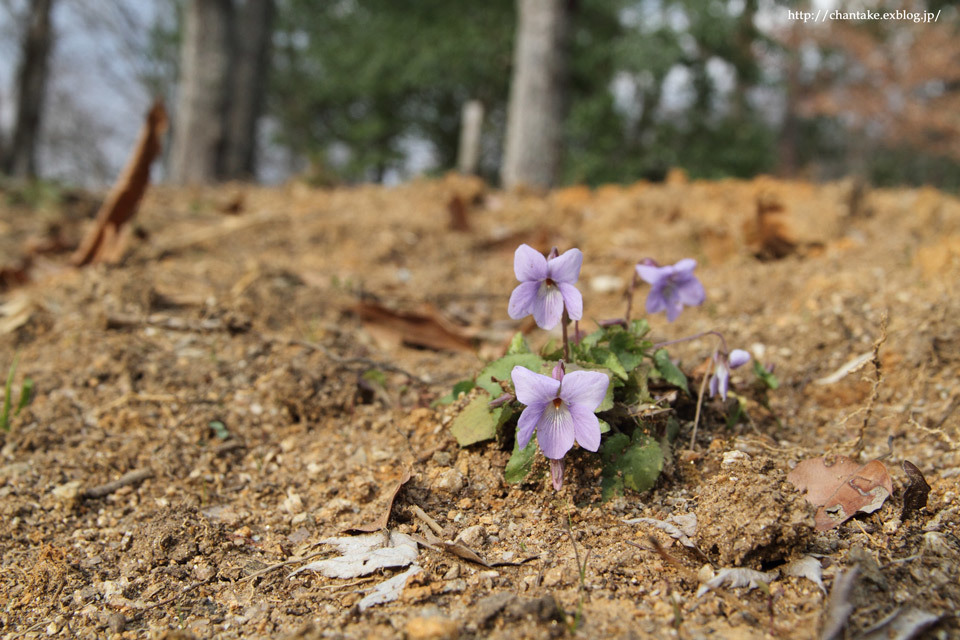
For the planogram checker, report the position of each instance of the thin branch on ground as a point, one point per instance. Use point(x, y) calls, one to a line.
point(878, 378)
point(126, 479)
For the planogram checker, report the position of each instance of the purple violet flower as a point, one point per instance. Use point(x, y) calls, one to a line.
point(546, 286)
point(560, 408)
point(671, 287)
point(720, 380)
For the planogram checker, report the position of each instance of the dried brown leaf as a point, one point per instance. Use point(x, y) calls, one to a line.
point(381, 522)
point(427, 328)
point(104, 242)
point(915, 495)
point(841, 487)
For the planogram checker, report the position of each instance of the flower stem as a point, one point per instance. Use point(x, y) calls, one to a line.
point(629, 294)
point(696, 417)
point(713, 332)
point(566, 340)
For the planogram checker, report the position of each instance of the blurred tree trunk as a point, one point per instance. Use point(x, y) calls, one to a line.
point(200, 127)
point(254, 22)
point(31, 88)
point(533, 146)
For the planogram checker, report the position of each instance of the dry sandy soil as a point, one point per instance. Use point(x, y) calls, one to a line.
point(224, 359)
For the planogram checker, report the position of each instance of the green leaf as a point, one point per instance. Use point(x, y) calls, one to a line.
point(738, 411)
point(604, 426)
point(641, 464)
point(8, 396)
point(592, 339)
point(610, 487)
point(500, 369)
point(632, 464)
point(26, 392)
point(476, 422)
point(623, 345)
point(518, 344)
point(375, 376)
point(520, 462)
point(765, 376)
point(606, 358)
point(639, 328)
point(219, 429)
point(670, 372)
point(462, 387)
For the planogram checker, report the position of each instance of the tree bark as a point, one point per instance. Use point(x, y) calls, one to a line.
point(199, 135)
point(533, 146)
point(32, 83)
point(252, 53)
point(471, 126)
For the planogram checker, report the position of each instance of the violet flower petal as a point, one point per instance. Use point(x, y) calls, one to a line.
point(522, 299)
point(586, 427)
point(649, 273)
point(738, 358)
point(674, 308)
point(548, 307)
point(655, 301)
point(528, 421)
point(722, 377)
point(529, 264)
point(690, 292)
point(533, 388)
point(572, 300)
point(555, 431)
point(713, 385)
point(686, 265)
point(584, 388)
point(566, 267)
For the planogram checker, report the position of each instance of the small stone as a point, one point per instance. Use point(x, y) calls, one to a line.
point(450, 481)
point(606, 284)
point(68, 493)
point(293, 504)
point(552, 577)
point(442, 458)
point(472, 536)
point(705, 574)
point(733, 457)
point(116, 623)
point(452, 572)
point(431, 628)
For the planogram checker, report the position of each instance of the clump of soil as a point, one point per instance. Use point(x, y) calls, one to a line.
point(749, 515)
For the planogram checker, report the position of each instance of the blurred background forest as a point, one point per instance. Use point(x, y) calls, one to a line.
point(343, 91)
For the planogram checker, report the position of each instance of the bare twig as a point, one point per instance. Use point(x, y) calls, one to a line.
point(133, 477)
point(184, 591)
point(878, 378)
point(376, 364)
point(696, 416)
point(279, 565)
point(430, 522)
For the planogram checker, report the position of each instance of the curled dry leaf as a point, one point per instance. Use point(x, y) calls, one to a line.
point(915, 495)
point(732, 578)
point(681, 528)
point(427, 328)
point(362, 555)
point(806, 567)
point(388, 590)
point(841, 487)
point(838, 609)
point(384, 518)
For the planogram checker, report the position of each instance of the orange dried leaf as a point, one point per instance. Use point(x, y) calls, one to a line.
point(841, 487)
point(428, 329)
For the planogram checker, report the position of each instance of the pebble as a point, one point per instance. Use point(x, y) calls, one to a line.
point(116, 623)
point(432, 628)
point(552, 577)
point(733, 457)
point(606, 284)
point(472, 536)
point(450, 481)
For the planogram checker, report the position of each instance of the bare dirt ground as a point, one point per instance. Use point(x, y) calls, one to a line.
point(225, 359)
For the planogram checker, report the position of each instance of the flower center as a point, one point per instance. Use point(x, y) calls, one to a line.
point(557, 402)
point(549, 282)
